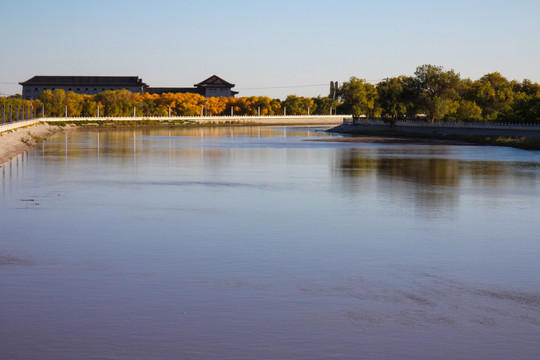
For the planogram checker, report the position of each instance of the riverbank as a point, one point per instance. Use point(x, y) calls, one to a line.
point(523, 139)
point(15, 141)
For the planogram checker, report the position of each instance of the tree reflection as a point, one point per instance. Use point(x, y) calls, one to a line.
point(430, 182)
point(430, 177)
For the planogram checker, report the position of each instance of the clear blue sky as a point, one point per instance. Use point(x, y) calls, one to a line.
point(269, 48)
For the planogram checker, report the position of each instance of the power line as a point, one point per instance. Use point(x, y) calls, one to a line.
point(11, 83)
point(283, 87)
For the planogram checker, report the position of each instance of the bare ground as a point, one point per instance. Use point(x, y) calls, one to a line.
point(392, 140)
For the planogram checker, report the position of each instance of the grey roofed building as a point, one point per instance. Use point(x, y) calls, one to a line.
point(214, 86)
point(80, 84)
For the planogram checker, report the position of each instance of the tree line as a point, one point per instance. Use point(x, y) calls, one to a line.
point(122, 102)
point(432, 94)
point(438, 95)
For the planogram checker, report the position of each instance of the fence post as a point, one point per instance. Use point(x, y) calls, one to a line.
point(97, 112)
point(10, 117)
point(42, 111)
point(232, 111)
point(169, 111)
point(258, 111)
point(65, 111)
point(3, 113)
point(17, 114)
point(202, 108)
point(285, 111)
point(134, 111)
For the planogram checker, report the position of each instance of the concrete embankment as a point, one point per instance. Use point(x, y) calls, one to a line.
point(17, 139)
point(520, 138)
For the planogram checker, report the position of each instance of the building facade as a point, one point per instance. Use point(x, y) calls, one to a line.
point(214, 86)
point(91, 85)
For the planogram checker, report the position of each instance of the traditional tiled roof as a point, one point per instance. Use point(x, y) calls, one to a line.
point(128, 81)
point(214, 81)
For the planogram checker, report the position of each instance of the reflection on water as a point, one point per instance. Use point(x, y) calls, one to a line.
point(423, 173)
point(251, 242)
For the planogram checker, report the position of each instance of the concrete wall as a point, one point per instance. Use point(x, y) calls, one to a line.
point(18, 124)
point(217, 92)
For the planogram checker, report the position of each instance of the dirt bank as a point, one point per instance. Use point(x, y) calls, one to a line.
point(393, 140)
point(523, 139)
point(14, 142)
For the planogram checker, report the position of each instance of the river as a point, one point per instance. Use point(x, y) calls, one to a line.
point(256, 243)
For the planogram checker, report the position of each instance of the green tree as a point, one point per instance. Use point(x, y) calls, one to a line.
point(466, 111)
point(494, 94)
point(392, 98)
point(117, 102)
point(298, 105)
point(358, 97)
point(436, 91)
point(323, 105)
point(53, 102)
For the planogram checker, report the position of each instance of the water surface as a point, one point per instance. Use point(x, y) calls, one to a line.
point(253, 243)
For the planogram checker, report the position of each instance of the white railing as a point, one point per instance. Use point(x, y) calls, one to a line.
point(195, 118)
point(449, 124)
